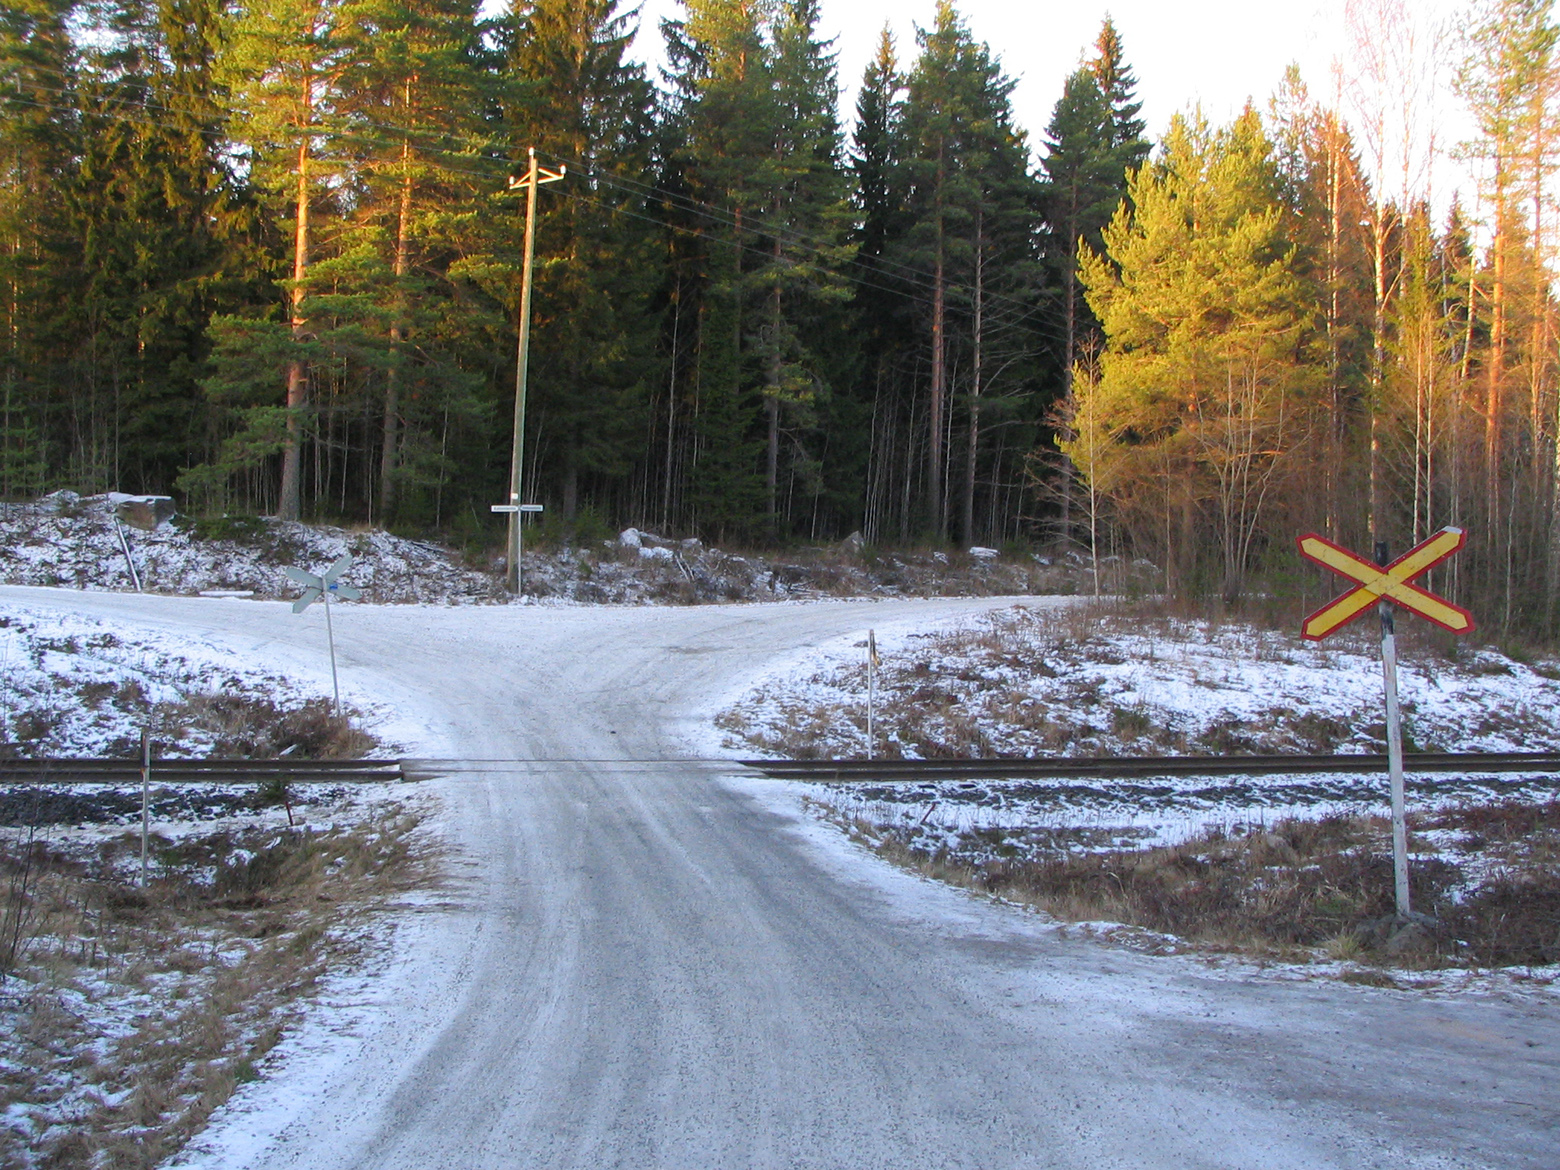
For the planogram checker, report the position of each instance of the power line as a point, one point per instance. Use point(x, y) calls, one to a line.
point(357, 130)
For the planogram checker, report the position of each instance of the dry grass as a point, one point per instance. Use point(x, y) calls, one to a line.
point(132, 1014)
point(253, 728)
point(1287, 891)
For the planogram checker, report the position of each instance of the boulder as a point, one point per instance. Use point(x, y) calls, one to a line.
point(143, 512)
point(630, 538)
point(853, 544)
point(981, 553)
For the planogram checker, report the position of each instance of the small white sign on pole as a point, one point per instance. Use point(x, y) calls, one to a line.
point(513, 509)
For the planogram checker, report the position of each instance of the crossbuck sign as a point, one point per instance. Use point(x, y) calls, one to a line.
point(329, 586)
point(1376, 583)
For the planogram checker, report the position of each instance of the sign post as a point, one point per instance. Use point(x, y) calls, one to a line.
point(872, 667)
point(146, 797)
point(516, 572)
point(331, 588)
point(1387, 585)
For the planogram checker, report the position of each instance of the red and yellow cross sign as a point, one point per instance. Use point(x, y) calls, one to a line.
point(1391, 583)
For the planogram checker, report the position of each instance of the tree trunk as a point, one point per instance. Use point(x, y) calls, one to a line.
point(772, 412)
point(390, 438)
point(1070, 356)
point(289, 502)
point(935, 423)
point(968, 525)
point(1378, 364)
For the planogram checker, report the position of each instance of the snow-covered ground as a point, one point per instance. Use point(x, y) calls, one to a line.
point(118, 1004)
point(1027, 681)
point(82, 686)
point(634, 966)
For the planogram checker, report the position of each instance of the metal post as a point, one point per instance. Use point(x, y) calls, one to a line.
point(146, 788)
point(1394, 749)
point(534, 178)
point(871, 691)
point(330, 635)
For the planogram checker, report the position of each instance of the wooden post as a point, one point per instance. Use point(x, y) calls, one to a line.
point(534, 177)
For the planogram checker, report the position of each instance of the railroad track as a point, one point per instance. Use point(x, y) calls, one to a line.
point(821, 771)
point(1103, 767)
point(210, 771)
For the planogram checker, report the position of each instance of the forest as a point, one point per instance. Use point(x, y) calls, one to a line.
point(264, 255)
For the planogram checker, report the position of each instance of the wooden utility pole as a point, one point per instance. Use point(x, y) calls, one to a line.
point(534, 178)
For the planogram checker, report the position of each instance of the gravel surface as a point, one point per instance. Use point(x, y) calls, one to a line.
point(648, 967)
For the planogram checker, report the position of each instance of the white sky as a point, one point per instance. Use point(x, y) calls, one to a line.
point(1216, 52)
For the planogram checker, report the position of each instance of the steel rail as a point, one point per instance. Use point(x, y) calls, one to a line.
point(1104, 767)
point(211, 771)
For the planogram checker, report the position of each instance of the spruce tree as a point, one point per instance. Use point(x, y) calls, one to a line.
point(582, 102)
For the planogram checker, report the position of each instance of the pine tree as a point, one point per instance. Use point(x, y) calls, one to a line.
point(413, 95)
point(283, 63)
point(726, 116)
point(1506, 77)
point(38, 132)
point(804, 217)
point(1211, 370)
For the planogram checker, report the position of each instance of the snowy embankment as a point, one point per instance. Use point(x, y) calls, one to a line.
point(82, 542)
point(124, 543)
point(79, 686)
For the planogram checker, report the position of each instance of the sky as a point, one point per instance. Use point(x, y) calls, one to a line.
point(1218, 53)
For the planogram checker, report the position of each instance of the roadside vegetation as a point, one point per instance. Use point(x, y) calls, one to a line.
point(1141, 679)
point(1485, 880)
point(129, 1013)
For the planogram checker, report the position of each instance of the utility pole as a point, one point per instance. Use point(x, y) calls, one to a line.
point(534, 178)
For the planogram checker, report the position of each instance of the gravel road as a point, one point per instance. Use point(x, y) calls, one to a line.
point(649, 967)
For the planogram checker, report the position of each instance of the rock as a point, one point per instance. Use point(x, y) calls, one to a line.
point(656, 553)
point(143, 512)
point(692, 547)
point(1394, 936)
point(853, 544)
point(1410, 939)
point(629, 538)
point(981, 553)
